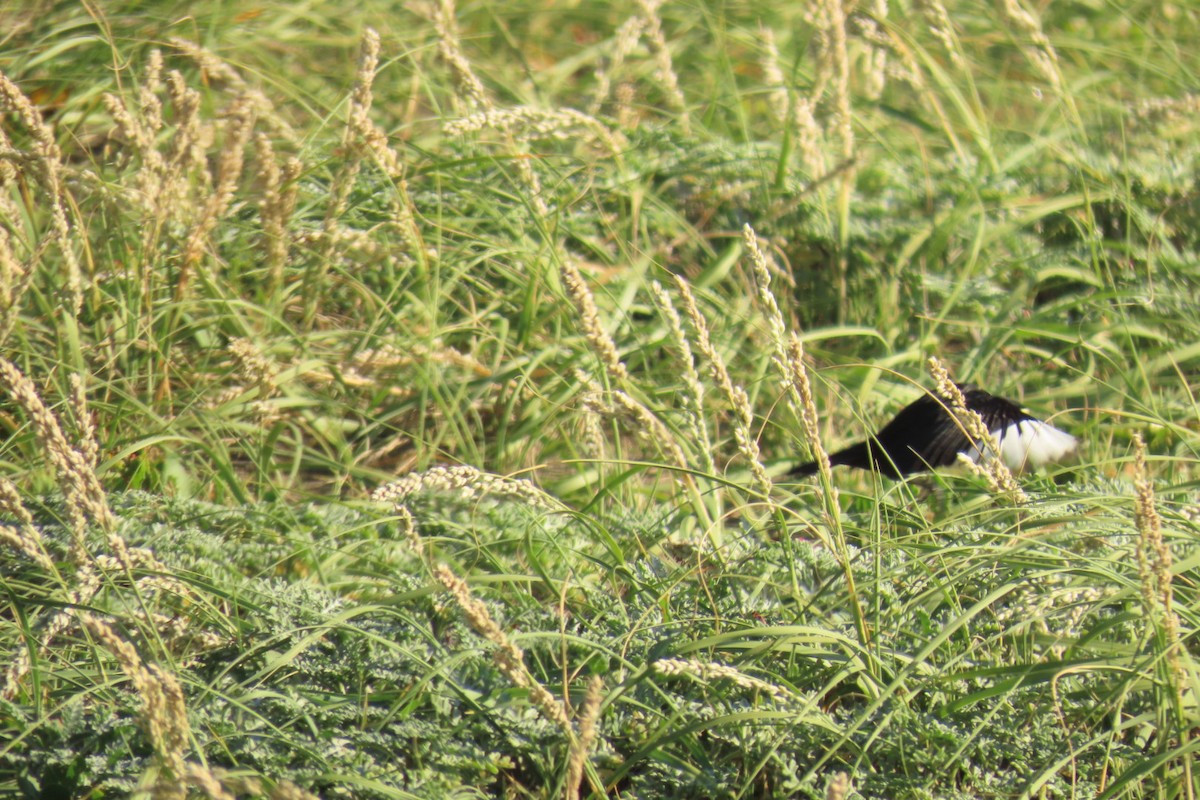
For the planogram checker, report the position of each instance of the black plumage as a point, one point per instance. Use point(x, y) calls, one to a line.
point(925, 435)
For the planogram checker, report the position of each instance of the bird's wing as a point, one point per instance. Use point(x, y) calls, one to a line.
point(946, 438)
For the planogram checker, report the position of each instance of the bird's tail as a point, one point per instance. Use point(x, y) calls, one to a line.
point(803, 471)
point(856, 455)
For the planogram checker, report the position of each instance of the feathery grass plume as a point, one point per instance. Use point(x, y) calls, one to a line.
point(839, 787)
point(19, 275)
point(509, 657)
point(279, 190)
point(800, 392)
point(942, 28)
point(85, 427)
point(644, 423)
point(1042, 53)
point(78, 482)
point(586, 737)
point(149, 104)
point(360, 131)
point(8, 173)
point(592, 439)
point(779, 95)
point(693, 395)
point(469, 88)
point(86, 581)
point(809, 135)
point(164, 713)
point(408, 528)
point(468, 483)
point(286, 790)
point(743, 416)
point(527, 122)
point(652, 28)
point(11, 271)
point(23, 536)
point(217, 71)
point(187, 149)
point(877, 51)
point(991, 467)
point(623, 43)
point(48, 158)
point(200, 777)
point(833, 16)
point(1154, 567)
point(589, 318)
point(780, 340)
point(708, 671)
point(254, 367)
point(229, 171)
point(1160, 110)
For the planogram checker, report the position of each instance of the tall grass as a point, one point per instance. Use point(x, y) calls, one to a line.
point(396, 397)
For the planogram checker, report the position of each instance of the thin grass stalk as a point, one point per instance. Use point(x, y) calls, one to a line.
point(1154, 561)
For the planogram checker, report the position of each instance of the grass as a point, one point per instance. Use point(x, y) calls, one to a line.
point(585, 280)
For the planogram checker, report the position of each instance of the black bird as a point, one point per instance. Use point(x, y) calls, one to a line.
point(925, 435)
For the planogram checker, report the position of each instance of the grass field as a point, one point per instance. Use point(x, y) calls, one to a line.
point(396, 398)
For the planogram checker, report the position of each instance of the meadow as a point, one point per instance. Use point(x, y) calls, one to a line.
point(397, 399)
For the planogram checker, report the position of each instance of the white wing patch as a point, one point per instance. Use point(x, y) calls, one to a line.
point(1029, 442)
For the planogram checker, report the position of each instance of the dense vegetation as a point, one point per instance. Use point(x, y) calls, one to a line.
point(395, 396)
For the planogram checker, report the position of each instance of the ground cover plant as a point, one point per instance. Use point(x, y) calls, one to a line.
point(395, 399)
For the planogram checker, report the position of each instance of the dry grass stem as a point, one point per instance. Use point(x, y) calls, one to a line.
point(48, 160)
point(85, 426)
point(509, 657)
point(939, 24)
point(526, 122)
point(708, 671)
point(279, 191)
point(623, 43)
point(468, 483)
point(780, 97)
point(408, 528)
point(800, 390)
point(586, 736)
point(693, 393)
point(23, 536)
point(229, 171)
point(470, 88)
point(1154, 564)
point(839, 787)
point(743, 416)
point(85, 497)
point(780, 341)
point(218, 71)
point(647, 426)
point(1042, 53)
point(164, 713)
point(589, 318)
point(652, 30)
point(360, 131)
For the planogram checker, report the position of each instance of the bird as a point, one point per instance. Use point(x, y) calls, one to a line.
point(925, 434)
